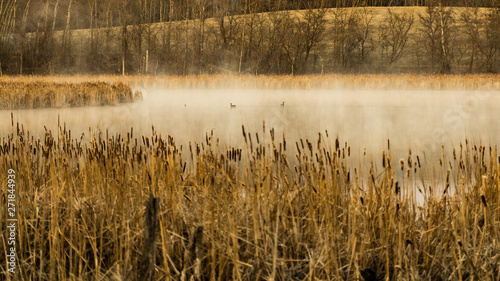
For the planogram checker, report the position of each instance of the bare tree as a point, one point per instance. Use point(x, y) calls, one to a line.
point(302, 35)
point(352, 38)
point(436, 36)
point(492, 50)
point(21, 46)
point(315, 28)
point(482, 38)
point(66, 38)
point(124, 34)
point(394, 35)
point(229, 37)
point(7, 23)
point(364, 31)
point(186, 39)
point(292, 40)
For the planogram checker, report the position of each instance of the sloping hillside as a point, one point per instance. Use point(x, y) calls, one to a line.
point(344, 40)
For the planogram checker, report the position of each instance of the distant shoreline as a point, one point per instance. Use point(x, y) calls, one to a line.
point(330, 81)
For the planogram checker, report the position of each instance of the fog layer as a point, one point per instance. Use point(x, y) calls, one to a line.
point(421, 120)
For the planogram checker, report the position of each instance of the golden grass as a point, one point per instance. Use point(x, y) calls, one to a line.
point(263, 214)
point(330, 81)
point(22, 93)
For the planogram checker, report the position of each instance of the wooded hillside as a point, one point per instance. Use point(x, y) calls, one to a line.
point(252, 37)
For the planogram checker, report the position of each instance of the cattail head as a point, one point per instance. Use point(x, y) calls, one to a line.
point(244, 133)
point(483, 199)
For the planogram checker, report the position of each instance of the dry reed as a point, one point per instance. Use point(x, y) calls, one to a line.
point(24, 94)
point(330, 81)
point(248, 213)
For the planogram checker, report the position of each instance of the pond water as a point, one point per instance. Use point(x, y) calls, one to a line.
point(421, 120)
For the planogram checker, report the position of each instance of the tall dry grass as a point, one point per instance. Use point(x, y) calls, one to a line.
point(330, 81)
point(270, 210)
point(16, 93)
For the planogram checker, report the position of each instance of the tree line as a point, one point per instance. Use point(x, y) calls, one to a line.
point(247, 36)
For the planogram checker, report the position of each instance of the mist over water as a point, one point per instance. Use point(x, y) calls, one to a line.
point(420, 120)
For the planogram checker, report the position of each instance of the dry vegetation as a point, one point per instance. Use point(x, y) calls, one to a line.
point(331, 81)
point(271, 210)
point(21, 93)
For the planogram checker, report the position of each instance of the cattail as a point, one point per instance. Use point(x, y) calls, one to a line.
point(251, 144)
point(447, 182)
point(483, 199)
point(244, 134)
point(402, 163)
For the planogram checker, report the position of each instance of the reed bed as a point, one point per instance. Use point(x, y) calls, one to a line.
point(272, 209)
point(333, 81)
point(23, 94)
point(330, 81)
